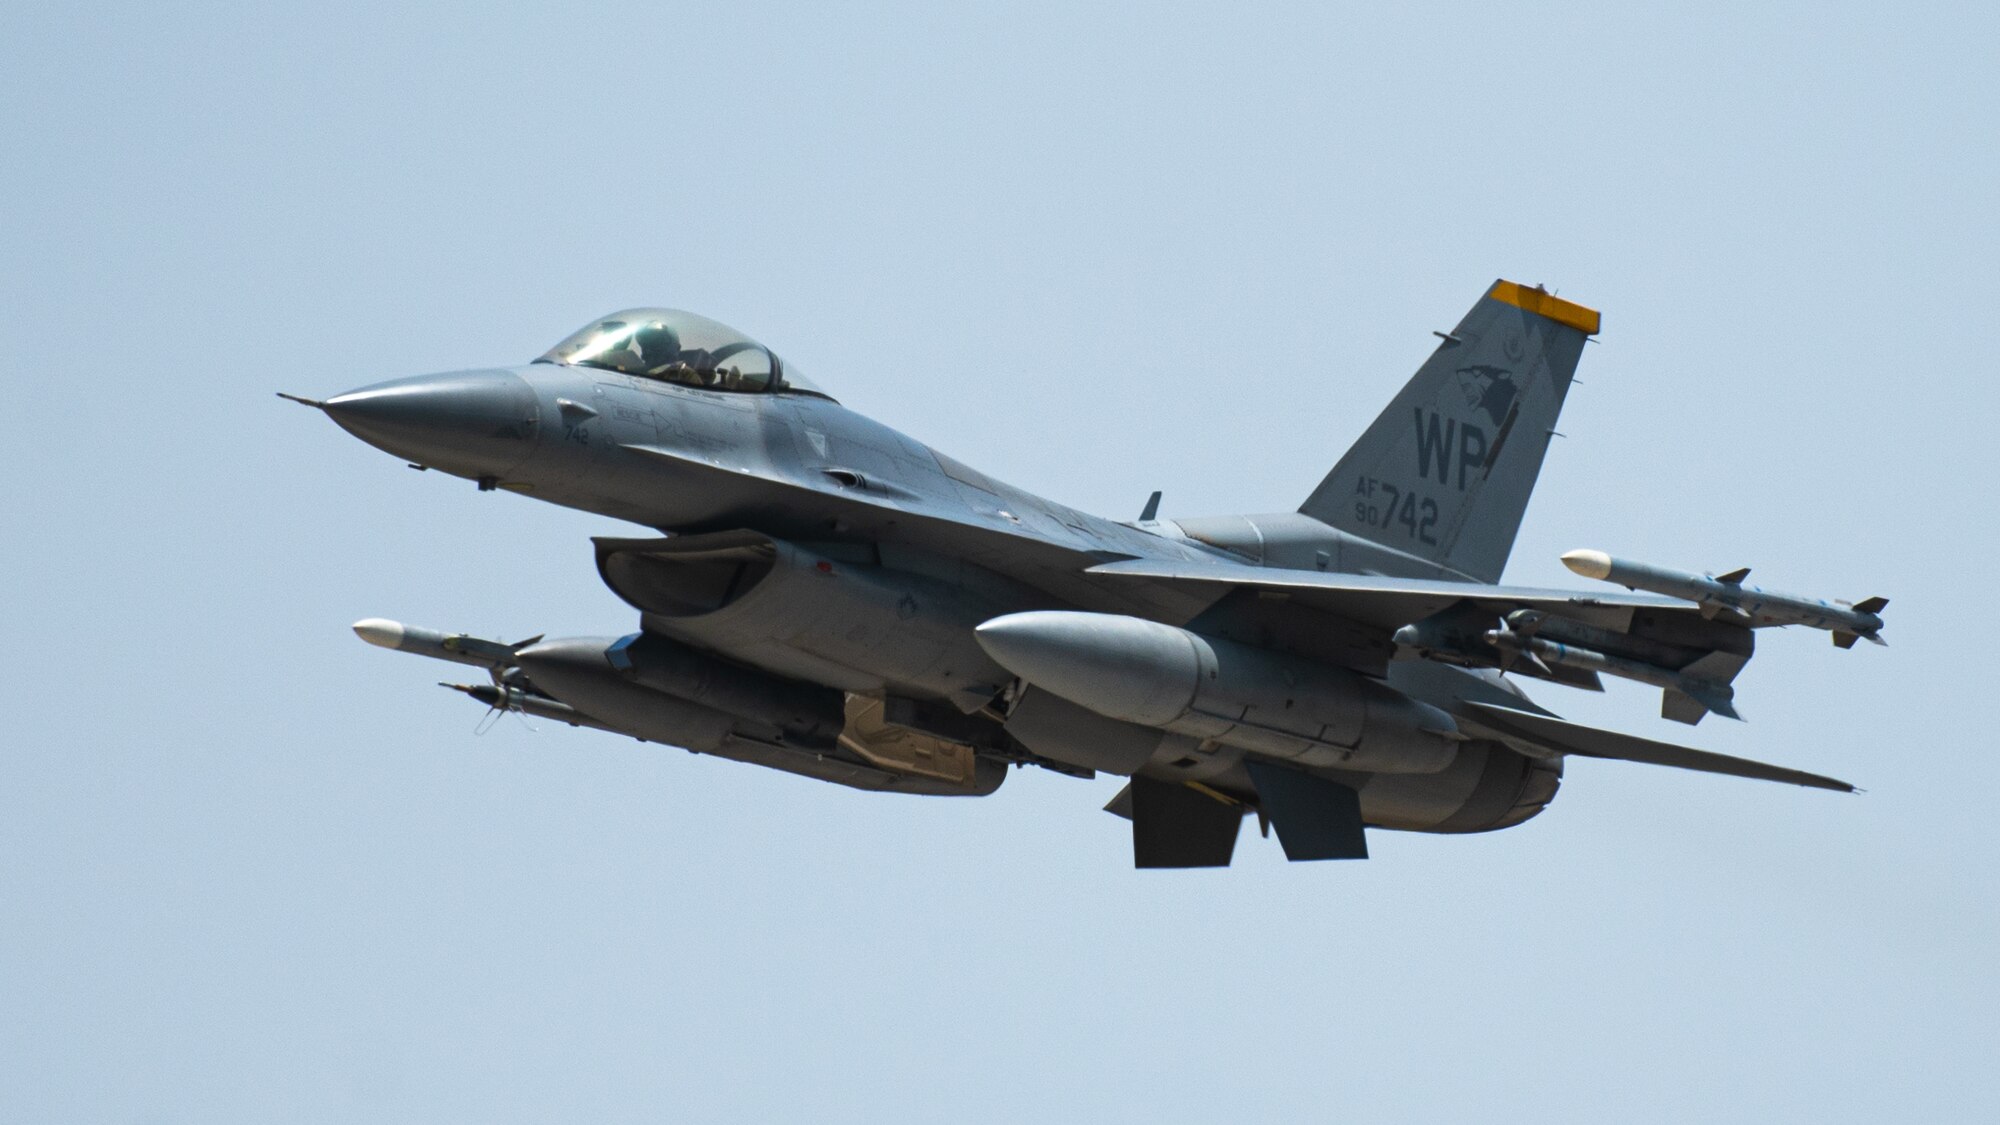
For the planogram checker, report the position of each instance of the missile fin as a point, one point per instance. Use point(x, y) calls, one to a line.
point(1845, 639)
point(1872, 605)
point(1716, 667)
point(1734, 577)
point(1581, 678)
point(1690, 701)
point(1681, 707)
point(1716, 701)
point(1877, 639)
point(1512, 658)
point(1151, 511)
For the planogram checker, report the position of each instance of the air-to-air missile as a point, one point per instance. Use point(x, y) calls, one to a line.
point(508, 698)
point(1713, 695)
point(1573, 653)
point(645, 685)
point(1718, 592)
point(654, 689)
point(509, 690)
point(455, 647)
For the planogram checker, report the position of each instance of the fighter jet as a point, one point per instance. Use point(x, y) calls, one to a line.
point(820, 594)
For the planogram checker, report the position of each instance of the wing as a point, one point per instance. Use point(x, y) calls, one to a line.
point(1391, 603)
point(1672, 631)
point(1570, 637)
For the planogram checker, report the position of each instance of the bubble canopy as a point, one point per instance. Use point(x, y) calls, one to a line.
point(679, 347)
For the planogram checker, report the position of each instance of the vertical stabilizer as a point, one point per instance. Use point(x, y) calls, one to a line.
point(1446, 471)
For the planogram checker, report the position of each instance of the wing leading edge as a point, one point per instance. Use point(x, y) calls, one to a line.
point(1388, 603)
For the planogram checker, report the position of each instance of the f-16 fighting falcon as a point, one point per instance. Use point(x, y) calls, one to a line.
point(819, 594)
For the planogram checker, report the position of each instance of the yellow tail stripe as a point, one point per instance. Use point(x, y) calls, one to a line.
point(1542, 303)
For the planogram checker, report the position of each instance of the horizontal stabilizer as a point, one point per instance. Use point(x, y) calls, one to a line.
point(1590, 742)
point(1175, 826)
point(1315, 818)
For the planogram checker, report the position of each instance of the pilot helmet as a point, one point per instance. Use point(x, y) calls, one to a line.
point(657, 344)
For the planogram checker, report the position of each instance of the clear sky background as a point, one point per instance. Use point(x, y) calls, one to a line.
point(252, 869)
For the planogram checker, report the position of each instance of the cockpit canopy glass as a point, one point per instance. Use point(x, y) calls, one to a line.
point(678, 347)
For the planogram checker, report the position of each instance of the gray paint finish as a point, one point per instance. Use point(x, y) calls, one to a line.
point(1351, 652)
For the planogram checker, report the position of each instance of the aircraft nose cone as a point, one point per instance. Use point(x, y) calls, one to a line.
point(472, 423)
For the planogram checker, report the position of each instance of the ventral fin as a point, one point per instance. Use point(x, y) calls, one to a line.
point(1175, 826)
point(1315, 818)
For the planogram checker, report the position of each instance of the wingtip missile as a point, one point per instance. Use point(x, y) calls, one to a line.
point(456, 647)
point(1728, 593)
point(1589, 564)
point(380, 632)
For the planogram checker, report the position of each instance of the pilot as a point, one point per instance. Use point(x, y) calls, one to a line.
point(657, 346)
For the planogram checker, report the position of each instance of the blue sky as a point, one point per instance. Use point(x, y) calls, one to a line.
point(251, 869)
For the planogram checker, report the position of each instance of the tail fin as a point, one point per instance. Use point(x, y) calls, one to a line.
point(1446, 471)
